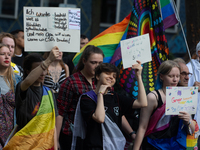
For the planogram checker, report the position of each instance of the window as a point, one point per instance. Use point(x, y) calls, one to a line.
point(52, 3)
point(9, 9)
point(110, 10)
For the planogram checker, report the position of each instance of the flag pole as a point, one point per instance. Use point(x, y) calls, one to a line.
point(179, 20)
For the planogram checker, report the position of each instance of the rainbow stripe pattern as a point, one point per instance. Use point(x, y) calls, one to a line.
point(108, 40)
point(168, 15)
point(39, 132)
point(145, 18)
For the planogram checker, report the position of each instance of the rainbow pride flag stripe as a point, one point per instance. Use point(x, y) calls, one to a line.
point(39, 132)
point(107, 40)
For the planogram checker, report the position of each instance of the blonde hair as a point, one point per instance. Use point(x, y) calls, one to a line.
point(62, 64)
point(10, 75)
point(167, 66)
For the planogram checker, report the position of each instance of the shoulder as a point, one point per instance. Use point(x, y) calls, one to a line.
point(152, 98)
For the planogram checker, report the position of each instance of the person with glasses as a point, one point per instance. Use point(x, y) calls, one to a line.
point(185, 74)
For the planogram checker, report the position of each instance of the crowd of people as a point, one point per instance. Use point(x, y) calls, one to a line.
point(88, 113)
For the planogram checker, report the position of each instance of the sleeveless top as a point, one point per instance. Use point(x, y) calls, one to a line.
point(160, 102)
point(48, 81)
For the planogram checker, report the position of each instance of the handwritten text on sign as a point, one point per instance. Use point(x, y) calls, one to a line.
point(181, 99)
point(46, 27)
point(137, 48)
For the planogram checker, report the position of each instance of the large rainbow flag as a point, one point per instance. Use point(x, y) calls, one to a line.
point(108, 40)
point(39, 132)
point(144, 18)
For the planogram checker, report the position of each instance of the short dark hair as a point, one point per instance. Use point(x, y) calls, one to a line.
point(106, 67)
point(15, 32)
point(83, 36)
point(29, 60)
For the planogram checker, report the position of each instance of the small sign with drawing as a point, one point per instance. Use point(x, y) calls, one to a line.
point(137, 48)
point(181, 99)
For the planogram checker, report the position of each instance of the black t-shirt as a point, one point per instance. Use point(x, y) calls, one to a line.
point(28, 103)
point(115, 106)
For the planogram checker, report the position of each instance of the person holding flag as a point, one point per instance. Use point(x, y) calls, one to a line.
point(36, 108)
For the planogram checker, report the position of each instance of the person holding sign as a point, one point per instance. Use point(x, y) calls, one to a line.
point(157, 130)
point(58, 71)
point(36, 108)
point(102, 110)
point(8, 82)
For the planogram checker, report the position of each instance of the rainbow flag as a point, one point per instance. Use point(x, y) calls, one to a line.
point(145, 18)
point(108, 40)
point(168, 14)
point(39, 132)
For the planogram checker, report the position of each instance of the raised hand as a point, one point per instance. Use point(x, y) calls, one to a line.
point(138, 68)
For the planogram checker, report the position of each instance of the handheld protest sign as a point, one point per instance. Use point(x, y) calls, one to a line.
point(136, 48)
point(181, 99)
point(46, 27)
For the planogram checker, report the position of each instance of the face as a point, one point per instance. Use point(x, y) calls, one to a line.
point(5, 57)
point(20, 40)
point(172, 78)
point(93, 61)
point(10, 43)
point(42, 76)
point(83, 42)
point(107, 78)
point(184, 75)
point(60, 56)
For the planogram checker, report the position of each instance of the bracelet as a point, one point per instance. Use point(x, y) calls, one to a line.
point(189, 123)
point(45, 65)
point(130, 134)
point(100, 93)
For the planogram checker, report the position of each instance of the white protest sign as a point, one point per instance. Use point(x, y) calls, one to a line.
point(181, 99)
point(46, 27)
point(137, 48)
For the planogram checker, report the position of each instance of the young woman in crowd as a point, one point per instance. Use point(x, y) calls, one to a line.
point(78, 83)
point(8, 81)
point(33, 100)
point(102, 109)
point(157, 130)
point(57, 73)
point(9, 40)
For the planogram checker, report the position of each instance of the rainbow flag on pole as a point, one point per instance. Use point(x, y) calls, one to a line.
point(108, 40)
point(39, 132)
point(168, 13)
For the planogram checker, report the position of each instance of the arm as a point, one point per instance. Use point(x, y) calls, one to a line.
point(99, 114)
point(67, 70)
point(187, 120)
point(142, 99)
point(145, 115)
point(127, 128)
point(35, 73)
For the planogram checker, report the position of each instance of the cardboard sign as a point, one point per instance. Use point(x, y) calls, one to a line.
point(137, 48)
point(181, 99)
point(46, 27)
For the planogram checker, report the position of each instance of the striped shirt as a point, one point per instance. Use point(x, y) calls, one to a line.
point(48, 81)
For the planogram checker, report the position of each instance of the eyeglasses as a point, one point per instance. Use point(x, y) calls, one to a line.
point(186, 74)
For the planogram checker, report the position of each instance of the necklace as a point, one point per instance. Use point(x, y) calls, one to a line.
point(163, 91)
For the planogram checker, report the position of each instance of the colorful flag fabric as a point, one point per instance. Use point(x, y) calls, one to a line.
point(39, 132)
point(107, 40)
point(145, 18)
point(168, 14)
